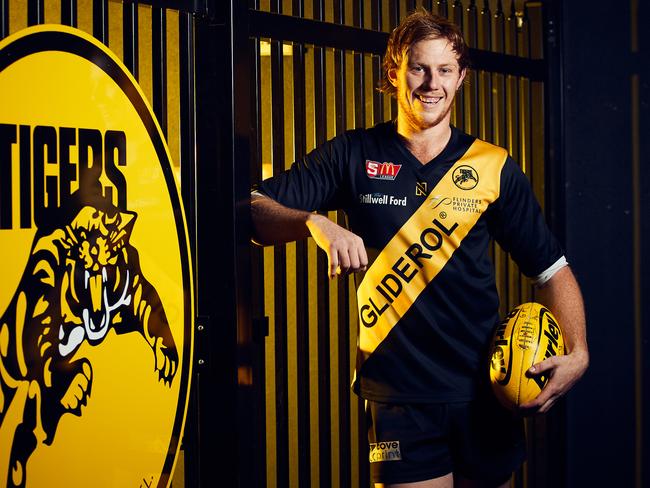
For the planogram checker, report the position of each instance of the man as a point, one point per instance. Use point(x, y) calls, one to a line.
point(423, 200)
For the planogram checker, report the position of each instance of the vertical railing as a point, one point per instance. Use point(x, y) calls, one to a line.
point(316, 432)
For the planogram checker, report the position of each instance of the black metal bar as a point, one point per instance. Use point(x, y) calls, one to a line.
point(280, 265)
point(514, 140)
point(256, 116)
point(288, 28)
point(69, 12)
point(472, 31)
point(485, 43)
point(499, 29)
point(324, 395)
point(100, 20)
point(307, 31)
point(130, 36)
point(4, 18)
point(500, 84)
point(364, 448)
point(302, 272)
point(215, 255)
point(200, 8)
point(35, 12)
point(507, 64)
point(393, 14)
point(443, 8)
point(485, 28)
point(554, 101)
point(359, 122)
point(511, 31)
point(159, 65)
point(556, 206)
point(486, 105)
point(457, 13)
point(343, 302)
point(472, 88)
point(360, 71)
point(257, 261)
point(377, 97)
point(410, 5)
point(525, 49)
point(188, 184)
point(249, 355)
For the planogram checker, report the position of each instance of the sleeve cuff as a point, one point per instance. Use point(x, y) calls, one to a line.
point(547, 274)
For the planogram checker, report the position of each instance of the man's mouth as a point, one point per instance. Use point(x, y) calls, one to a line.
point(428, 100)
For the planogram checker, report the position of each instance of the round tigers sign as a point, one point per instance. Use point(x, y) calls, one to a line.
point(96, 295)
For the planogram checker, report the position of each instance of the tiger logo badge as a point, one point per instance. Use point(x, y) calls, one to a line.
point(465, 177)
point(96, 298)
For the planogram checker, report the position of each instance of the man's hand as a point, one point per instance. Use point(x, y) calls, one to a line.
point(563, 372)
point(345, 250)
point(561, 294)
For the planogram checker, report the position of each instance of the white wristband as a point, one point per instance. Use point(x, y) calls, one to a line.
point(546, 275)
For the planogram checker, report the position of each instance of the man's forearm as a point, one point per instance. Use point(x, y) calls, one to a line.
point(274, 223)
point(561, 294)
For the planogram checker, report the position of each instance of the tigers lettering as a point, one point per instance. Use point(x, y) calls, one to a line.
point(41, 151)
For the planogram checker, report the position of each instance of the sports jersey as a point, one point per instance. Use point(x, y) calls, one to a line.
point(428, 301)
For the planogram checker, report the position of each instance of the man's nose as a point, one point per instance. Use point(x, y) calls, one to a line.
point(431, 80)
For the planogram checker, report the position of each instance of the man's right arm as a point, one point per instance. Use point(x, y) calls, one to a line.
point(273, 223)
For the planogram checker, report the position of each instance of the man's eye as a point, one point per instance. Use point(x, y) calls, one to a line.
point(417, 69)
point(445, 70)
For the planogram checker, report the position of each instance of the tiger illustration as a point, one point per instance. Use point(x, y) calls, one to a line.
point(464, 176)
point(82, 278)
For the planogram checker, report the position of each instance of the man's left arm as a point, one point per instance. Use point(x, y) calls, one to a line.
point(561, 294)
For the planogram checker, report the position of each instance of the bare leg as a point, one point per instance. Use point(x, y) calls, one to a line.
point(446, 481)
point(465, 483)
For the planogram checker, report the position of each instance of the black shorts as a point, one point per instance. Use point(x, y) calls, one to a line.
point(478, 440)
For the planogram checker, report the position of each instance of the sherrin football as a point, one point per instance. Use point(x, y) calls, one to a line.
point(526, 336)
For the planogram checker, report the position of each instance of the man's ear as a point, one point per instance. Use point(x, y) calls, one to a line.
point(463, 72)
point(391, 74)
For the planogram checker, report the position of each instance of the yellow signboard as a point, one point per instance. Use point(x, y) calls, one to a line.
point(96, 288)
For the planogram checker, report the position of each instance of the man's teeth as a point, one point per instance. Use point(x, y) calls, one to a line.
point(428, 99)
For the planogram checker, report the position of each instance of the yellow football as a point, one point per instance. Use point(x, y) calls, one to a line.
point(526, 336)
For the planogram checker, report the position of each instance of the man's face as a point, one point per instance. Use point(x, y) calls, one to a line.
point(426, 83)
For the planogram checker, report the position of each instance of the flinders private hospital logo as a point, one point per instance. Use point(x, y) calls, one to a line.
point(96, 296)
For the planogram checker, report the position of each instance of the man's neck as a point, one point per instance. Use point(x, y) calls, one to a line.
point(425, 144)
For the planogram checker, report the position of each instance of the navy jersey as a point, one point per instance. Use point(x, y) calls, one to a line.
point(428, 302)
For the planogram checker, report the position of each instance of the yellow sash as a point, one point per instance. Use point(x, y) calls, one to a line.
point(426, 242)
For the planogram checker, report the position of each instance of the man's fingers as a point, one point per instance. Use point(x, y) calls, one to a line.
point(345, 250)
point(547, 406)
point(542, 367)
point(354, 260)
point(344, 261)
point(535, 404)
point(358, 256)
point(363, 257)
point(333, 258)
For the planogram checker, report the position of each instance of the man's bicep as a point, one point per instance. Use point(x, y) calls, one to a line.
point(315, 182)
point(518, 224)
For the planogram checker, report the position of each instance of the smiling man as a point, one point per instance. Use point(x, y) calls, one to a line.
point(423, 199)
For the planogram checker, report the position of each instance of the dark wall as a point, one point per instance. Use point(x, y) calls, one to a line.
point(607, 227)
